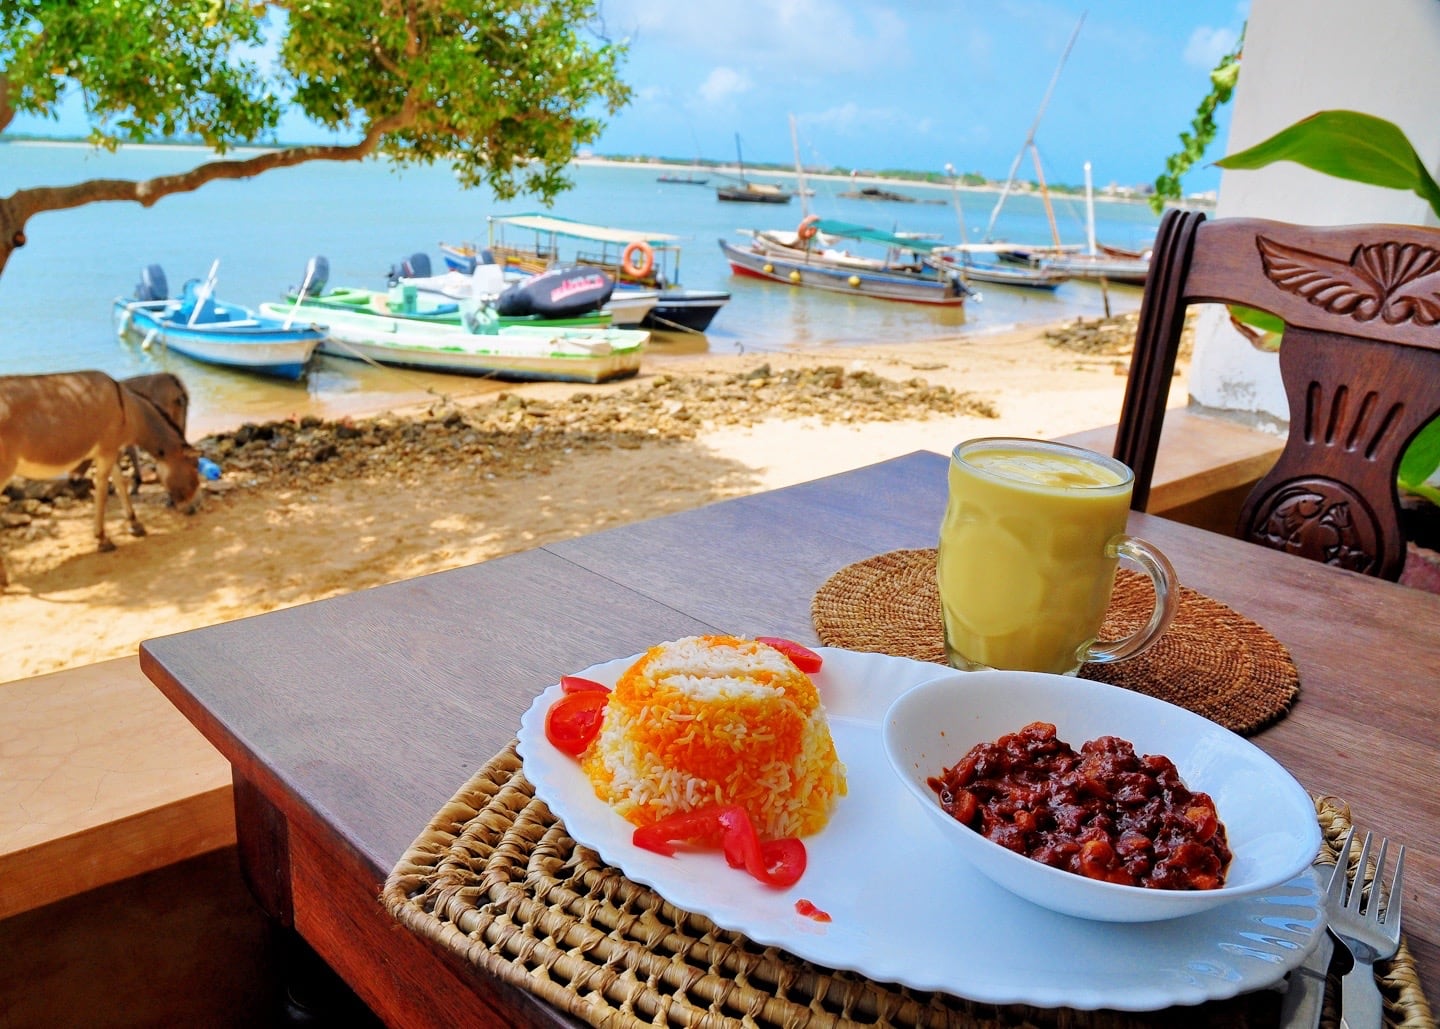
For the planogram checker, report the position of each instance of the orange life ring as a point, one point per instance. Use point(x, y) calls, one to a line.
point(807, 229)
point(644, 266)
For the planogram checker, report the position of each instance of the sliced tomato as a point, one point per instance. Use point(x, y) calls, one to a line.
point(579, 684)
point(784, 861)
point(699, 828)
point(801, 656)
point(773, 862)
point(574, 720)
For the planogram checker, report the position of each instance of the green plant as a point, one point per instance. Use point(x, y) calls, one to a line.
point(1361, 148)
point(1202, 129)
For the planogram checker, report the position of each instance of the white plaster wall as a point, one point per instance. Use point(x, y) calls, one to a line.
point(1380, 57)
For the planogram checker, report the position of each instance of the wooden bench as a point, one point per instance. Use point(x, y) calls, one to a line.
point(101, 779)
point(1204, 468)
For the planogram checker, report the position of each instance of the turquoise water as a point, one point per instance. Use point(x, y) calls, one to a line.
point(56, 292)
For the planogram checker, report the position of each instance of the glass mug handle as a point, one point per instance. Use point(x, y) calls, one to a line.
point(1162, 575)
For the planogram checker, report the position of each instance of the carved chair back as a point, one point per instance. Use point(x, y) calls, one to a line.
point(1360, 361)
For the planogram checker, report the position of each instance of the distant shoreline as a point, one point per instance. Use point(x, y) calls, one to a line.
point(733, 171)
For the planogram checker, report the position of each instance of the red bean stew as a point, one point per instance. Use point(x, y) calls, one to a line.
point(1105, 813)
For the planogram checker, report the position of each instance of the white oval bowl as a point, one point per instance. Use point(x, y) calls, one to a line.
point(1269, 819)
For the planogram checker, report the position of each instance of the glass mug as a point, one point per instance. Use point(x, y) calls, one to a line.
point(1032, 535)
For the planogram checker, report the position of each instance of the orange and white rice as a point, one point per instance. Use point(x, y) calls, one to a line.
point(717, 720)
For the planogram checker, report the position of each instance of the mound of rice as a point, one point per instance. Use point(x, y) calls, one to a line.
point(717, 720)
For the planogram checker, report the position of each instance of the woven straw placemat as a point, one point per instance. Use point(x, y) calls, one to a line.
point(1211, 659)
point(497, 880)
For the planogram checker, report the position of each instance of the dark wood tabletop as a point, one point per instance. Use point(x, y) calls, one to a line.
point(351, 721)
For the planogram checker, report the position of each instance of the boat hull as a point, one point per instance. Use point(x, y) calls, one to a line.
point(1021, 278)
point(519, 353)
point(266, 347)
point(685, 310)
point(746, 196)
point(1120, 270)
point(946, 291)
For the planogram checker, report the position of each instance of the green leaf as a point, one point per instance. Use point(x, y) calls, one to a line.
point(1347, 145)
point(1262, 320)
point(1421, 459)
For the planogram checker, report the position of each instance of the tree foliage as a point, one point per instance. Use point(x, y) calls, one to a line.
point(503, 90)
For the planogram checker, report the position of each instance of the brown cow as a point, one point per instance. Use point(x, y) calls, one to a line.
point(50, 423)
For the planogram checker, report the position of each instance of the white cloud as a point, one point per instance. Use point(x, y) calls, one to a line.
point(1206, 46)
point(724, 83)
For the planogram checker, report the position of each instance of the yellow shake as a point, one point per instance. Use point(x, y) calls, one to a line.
point(1028, 553)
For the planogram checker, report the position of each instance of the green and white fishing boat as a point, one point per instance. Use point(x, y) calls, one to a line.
point(512, 352)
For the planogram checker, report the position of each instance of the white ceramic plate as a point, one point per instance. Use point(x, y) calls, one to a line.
point(1269, 818)
point(907, 909)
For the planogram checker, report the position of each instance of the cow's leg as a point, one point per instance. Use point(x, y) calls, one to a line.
point(133, 523)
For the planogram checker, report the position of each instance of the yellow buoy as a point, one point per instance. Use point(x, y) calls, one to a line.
point(794, 276)
point(854, 282)
point(769, 268)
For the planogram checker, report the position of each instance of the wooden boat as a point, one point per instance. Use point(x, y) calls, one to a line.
point(907, 271)
point(876, 193)
point(981, 262)
point(645, 265)
point(688, 180)
point(204, 329)
point(512, 352)
point(753, 193)
point(747, 192)
point(1108, 264)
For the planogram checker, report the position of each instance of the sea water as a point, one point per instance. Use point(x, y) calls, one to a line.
point(365, 217)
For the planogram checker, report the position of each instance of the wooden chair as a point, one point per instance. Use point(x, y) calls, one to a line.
point(1360, 361)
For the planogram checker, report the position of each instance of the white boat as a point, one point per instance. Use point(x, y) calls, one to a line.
point(208, 330)
point(528, 352)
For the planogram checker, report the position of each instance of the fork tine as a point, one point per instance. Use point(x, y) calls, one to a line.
point(1357, 888)
point(1395, 897)
point(1372, 905)
point(1335, 888)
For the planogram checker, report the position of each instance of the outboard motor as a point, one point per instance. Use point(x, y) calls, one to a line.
point(558, 293)
point(317, 275)
point(152, 285)
point(416, 266)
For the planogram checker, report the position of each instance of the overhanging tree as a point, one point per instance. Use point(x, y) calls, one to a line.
point(503, 90)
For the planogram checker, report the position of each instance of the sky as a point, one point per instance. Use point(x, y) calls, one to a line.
point(911, 84)
point(917, 84)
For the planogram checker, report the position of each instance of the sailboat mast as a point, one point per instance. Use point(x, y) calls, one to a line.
point(1029, 143)
point(1089, 212)
point(1045, 195)
point(799, 171)
point(739, 157)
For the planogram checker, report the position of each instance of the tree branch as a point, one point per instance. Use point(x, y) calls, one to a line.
point(7, 113)
point(19, 207)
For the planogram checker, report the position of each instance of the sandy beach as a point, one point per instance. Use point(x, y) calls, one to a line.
point(323, 508)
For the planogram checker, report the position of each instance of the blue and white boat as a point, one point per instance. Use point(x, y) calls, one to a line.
point(202, 328)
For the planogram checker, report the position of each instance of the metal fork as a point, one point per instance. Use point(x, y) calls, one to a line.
point(1372, 936)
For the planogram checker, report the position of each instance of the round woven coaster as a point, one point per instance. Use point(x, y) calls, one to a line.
point(1211, 659)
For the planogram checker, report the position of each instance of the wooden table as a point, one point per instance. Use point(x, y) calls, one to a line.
point(351, 721)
